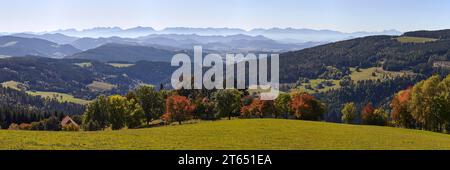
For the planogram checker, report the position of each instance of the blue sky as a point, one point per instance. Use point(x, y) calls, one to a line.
point(341, 15)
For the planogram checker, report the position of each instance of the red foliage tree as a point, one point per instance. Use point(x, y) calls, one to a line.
point(178, 108)
point(400, 114)
point(252, 109)
point(259, 108)
point(372, 116)
point(306, 107)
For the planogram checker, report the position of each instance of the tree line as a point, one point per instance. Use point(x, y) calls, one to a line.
point(425, 106)
point(17, 107)
point(142, 106)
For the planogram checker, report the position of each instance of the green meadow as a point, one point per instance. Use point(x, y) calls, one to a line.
point(247, 134)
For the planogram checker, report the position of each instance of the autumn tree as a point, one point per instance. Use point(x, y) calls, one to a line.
point(178, 109)
point(349, 113)
point(372, 116)
point(227, 102)
point(400, 115)
point(266, 108)
point(306, 107)
point(366, 113)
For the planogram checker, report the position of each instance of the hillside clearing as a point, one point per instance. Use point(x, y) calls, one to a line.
point(101, 86)
point(14, 85)
point(253, 134)
point(62, 97)
point(85, 64)
point(407, 39)
point(372, 73)
point(120, 65)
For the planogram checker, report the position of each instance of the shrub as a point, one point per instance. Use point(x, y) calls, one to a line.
point(13, 126)
point(37, 126)
point(92, 126)
point(52, 124)
point(70, 127)
point(25, 126)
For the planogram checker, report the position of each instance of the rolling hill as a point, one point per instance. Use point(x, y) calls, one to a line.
point(393, 53)
point(18, 46)
point(56, 38)
point(251, 134)
point(122, 52)
point(74, 76)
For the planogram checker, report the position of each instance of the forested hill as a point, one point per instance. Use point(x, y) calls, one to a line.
point(440, 34)
point(19, 107)
point(81, 78)
point(415, 51)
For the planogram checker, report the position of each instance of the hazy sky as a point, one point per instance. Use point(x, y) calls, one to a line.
point(341, 15)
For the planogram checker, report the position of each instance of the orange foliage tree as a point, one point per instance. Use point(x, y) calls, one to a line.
point(259, 108)
point(366, 113)
point(400, 115)
point(306, 107)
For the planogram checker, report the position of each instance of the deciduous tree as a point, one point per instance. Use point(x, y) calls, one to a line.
point(349, 113)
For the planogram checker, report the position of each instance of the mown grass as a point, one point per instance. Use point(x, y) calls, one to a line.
point(252, 134)
point(406, 39)
point(62, 97)
point(376, 73)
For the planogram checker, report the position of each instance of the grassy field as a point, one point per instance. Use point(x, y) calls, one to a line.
point(373, 73)
point(250, 134)
point(62, 97)
point(85, 64)
point(314, 82)
point(120, 65)
point(101, 86)
point(13, 85)
point(406, 39)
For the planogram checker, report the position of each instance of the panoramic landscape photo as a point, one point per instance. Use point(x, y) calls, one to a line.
point(224, 75)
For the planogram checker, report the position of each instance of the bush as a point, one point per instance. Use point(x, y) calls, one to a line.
point(13, 126)
point(92, 126)
point(70, 127)
point(37, 126)
point(52, 124)
point(25, 126)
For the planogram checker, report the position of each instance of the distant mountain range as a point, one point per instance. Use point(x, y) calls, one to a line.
point(145, 43)
point(56, 37)
point(285, 35)
point(231, 43)
point(228, 43)
point(18, 46)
